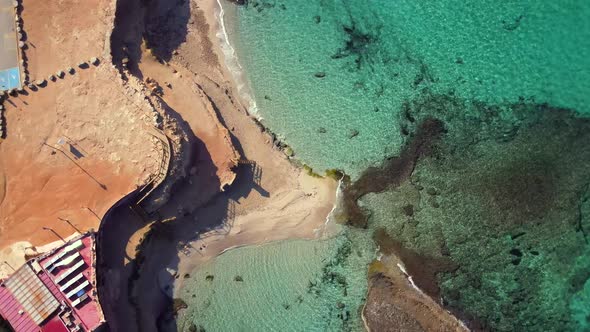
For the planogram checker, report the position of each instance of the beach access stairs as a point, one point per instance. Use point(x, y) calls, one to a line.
point(157, 178)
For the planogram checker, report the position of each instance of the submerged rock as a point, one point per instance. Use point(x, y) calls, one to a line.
point(353, 133)
point(408, 210)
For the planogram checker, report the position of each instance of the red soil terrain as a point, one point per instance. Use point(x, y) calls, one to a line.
point(77, 144)
point(61, 33)
point(106, 152)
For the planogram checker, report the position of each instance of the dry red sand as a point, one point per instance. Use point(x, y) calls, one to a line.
point(62, 33)
point(42, 183)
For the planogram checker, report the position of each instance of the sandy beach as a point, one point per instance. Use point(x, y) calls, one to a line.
point(220, 204)
point(163, 104)
point(456, 197)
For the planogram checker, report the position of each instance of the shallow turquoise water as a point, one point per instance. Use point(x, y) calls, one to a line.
point(480, 49)
point(331, 77)
point(285, 286)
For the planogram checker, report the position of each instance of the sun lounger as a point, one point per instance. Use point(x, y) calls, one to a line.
point(76, 245)
point(68, 260)
point(71, 282)
point(69, 271)
point(79, 300)
point(77, 289)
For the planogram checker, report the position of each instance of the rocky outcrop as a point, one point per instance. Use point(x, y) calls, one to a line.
point(393, 304)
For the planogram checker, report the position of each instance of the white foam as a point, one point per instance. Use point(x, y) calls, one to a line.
point(338, 196)
point(233, 64)
point(409, 277)
point(411, 280)
point(402, 268)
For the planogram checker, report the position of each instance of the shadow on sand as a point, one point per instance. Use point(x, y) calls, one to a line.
point(161, 24)
point(133, 300)
point(131, 296)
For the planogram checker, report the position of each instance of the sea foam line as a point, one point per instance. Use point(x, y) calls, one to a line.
point(336, 200)
point(411, 280)
point(239, 76)
point(233, 64)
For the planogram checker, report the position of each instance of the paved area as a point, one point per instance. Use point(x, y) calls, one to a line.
point(9, 72)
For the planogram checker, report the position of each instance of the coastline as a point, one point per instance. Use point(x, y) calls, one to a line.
point(245, 230)
point(232, 62)
point(219, 245)
point(418, 300)
point(272, 198)
point(205, 218)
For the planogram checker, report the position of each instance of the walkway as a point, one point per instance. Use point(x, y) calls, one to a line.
point(9, 71)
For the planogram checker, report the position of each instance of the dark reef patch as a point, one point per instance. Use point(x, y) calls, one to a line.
point(394, 172)
point(262, 5)
point(361, 41)
point(422, 268)
point(500, 222)
point(523, 188)
point(513, 24)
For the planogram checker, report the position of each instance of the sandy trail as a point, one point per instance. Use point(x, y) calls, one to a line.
point(183, 96)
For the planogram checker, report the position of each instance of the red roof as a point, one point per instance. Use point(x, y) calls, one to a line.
point(88, 313)
point(9, 309)
point(54, 325)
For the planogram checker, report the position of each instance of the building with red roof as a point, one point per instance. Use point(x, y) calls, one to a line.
point(55, 292)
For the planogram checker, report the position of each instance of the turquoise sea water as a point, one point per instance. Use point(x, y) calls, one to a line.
point(285, 286)
point(480, 49)
point(345, 82)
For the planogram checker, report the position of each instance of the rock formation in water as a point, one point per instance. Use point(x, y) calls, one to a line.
point(497, 220)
